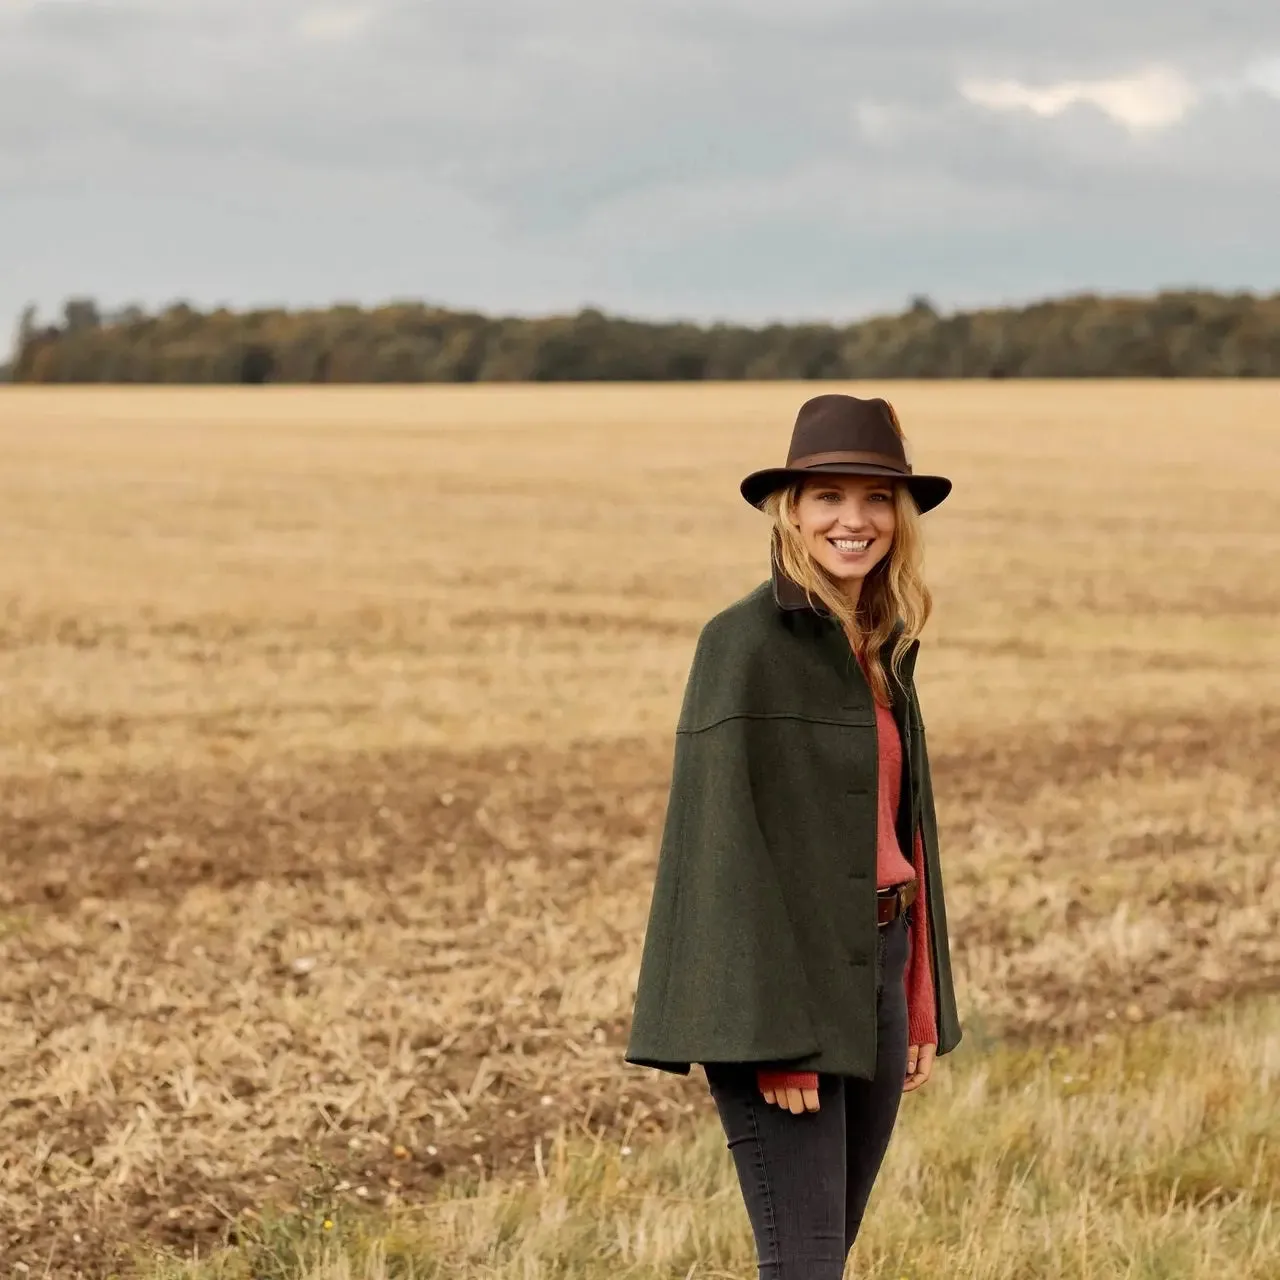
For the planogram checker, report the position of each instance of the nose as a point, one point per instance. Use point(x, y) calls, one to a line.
point(853, 513)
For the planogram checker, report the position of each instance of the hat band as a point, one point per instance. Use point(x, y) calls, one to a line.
point(850, 455)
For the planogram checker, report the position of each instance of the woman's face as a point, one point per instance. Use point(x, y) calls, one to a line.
point(846, 524)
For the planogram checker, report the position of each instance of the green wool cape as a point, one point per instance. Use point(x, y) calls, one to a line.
point(761, 938)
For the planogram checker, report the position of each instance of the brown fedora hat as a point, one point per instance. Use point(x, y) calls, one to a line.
point(848, 436)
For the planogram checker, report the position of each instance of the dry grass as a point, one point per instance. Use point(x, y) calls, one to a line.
point(1145, 1156)
point(337, 727)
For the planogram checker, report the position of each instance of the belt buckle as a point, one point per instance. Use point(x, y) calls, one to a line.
point(897, 894)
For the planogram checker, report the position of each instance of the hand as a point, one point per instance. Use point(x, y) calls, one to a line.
point(919, 1065)
point(793, 1100)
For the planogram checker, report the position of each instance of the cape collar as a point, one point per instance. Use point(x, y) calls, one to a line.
point(790, 596)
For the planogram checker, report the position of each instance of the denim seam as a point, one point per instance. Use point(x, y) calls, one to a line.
point(771, 1219)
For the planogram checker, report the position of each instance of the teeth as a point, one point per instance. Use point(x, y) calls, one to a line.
point(848, 544)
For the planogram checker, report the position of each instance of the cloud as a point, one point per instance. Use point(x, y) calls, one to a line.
point(735, 157)
point(1154, 98)
point(334, 23)
point(1264, 75)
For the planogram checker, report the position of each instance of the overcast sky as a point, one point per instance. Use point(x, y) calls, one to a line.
point(749, 159)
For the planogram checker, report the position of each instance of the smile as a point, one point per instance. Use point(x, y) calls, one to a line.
point(850, 544)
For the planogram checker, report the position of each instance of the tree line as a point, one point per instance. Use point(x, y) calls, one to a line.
point(1171, 334)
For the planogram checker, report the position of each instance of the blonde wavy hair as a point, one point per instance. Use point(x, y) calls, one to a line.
point(895, 589)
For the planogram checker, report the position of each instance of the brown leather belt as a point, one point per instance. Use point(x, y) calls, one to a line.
point(891, 903)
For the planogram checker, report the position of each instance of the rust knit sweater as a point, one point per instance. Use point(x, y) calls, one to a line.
point(891, 868)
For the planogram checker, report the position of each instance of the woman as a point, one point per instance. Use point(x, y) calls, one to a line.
point(797, 939)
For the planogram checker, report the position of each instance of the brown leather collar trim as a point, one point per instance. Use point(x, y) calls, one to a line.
point(789, 594)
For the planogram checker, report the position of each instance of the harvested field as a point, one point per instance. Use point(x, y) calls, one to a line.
point(338, 727)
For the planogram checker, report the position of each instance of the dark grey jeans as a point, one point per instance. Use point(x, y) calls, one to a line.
point(806, 1178)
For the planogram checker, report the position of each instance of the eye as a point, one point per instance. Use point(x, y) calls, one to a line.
point(828, 495)
point(881, 496)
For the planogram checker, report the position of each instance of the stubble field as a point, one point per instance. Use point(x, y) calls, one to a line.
point(336, 736)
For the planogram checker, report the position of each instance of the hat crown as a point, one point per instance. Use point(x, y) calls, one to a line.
point(842, 424)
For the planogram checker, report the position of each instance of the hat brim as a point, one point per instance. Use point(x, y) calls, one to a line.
point(928, 491)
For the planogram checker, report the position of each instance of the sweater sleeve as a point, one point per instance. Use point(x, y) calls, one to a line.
point(766, 1079)
point(922, 1018)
